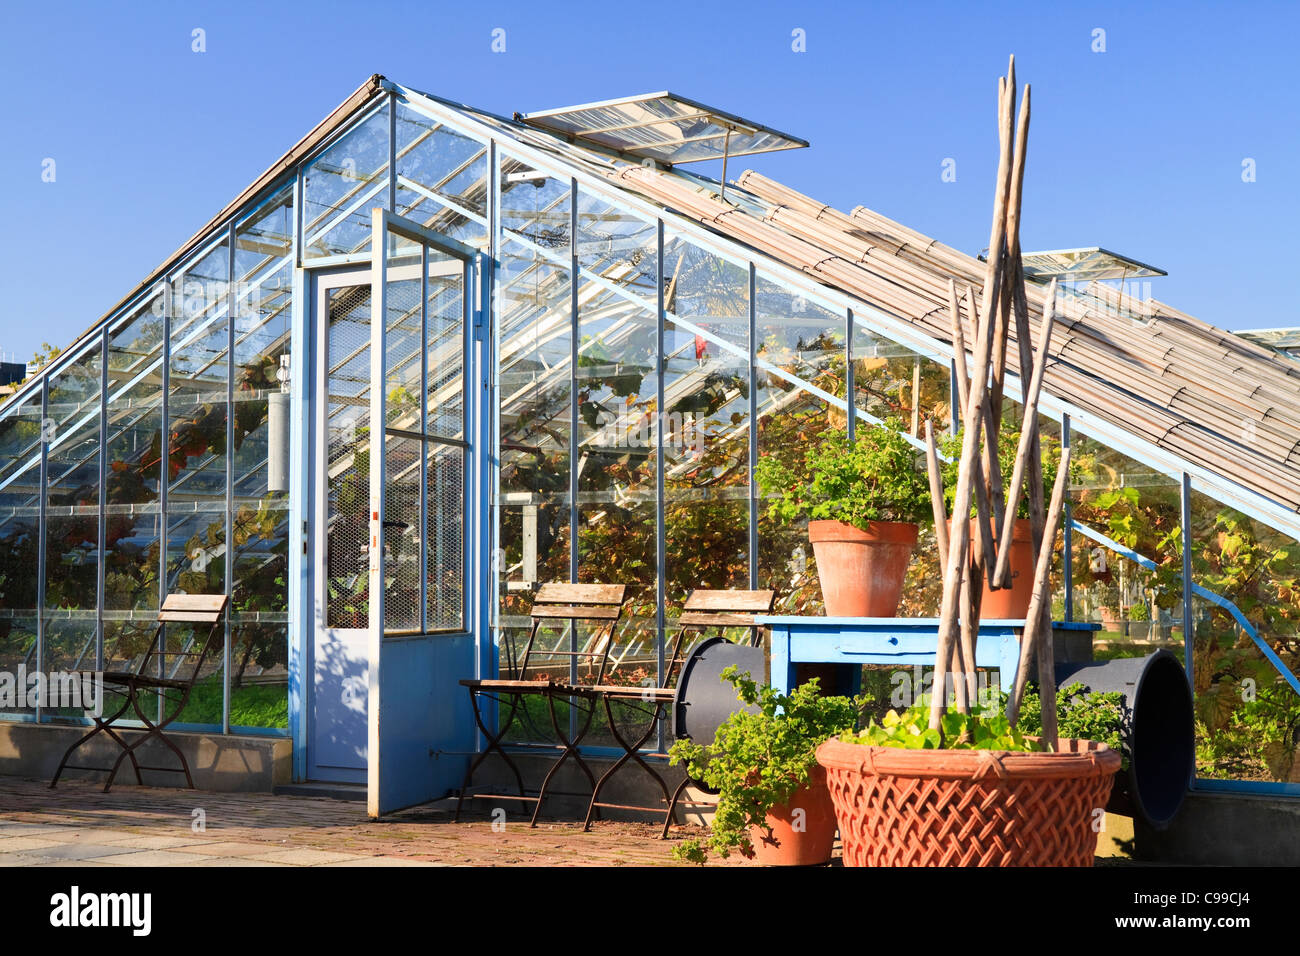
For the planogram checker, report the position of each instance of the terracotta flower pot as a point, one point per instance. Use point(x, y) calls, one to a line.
point(899, 807)
point(1012, 603)
point(812, 842)
point(862, 572)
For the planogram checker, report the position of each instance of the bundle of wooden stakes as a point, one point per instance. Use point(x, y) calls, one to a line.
point(979, 476)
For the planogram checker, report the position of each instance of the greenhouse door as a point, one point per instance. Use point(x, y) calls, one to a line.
point(336, 750)
point(421, 410)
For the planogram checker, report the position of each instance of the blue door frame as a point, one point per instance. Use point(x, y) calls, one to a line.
point(421, 728)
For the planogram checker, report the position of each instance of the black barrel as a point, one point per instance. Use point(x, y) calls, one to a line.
point(1160, 730)
point(704, 700)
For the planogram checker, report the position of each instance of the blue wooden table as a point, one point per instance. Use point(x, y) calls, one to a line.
point(895, 641)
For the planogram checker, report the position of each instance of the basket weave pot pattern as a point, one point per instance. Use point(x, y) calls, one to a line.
point(900, 807)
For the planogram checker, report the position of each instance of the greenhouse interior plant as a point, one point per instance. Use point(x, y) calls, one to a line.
point(864, 502)
point(960, 785)
point(773, 804)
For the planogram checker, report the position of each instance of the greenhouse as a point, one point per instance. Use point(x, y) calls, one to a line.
point(466, 355)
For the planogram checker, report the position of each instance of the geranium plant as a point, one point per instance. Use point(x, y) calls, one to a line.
point(1008, 444)
point(875, 478)
point(758, 760)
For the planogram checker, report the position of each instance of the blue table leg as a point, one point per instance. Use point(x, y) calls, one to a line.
point(782, 667)
point(1008, 662)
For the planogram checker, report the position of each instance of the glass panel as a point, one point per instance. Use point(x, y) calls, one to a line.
point(261, 545)
point(424, 347)
point(402, 537)
point(534, 543)
point(260, 532)
point(535, 312)
point(806, 342)
point(20, 491)
point(72, 517)
point(706, 421)
point(616, 544)
point(445, 537)
point(402, 344)
point(342, 185)
point(533, 372)
point(131, 561)
point(264, 290)
point(441, 174)
point(536, 208)
point(197, 403)
point(264, 271)
point(134, 448)
point(892, 381)
point(196, 550)
point(17, 648)
point(1139, 610)
point(617, 388)
point(69, 646)
point(259, 680)
point(348, 456)
point(1247, 715)
point(444, 338)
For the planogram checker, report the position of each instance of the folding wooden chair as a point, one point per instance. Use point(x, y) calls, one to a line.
point(704, 609)
point(155, 673)
point(598, 604)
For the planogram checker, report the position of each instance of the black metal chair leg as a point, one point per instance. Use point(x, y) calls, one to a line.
point(158, 732)
point(101, 726)
point(493, 744)
point(570, 749)
point(135, 764)
point(672, 807)
point(630, 752)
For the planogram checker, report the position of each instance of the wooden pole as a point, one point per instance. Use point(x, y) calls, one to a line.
point(1037, 637)
point(936, 494)
point(959, 345)
point(959, 538)
point(965, 662)
point(1028, 434)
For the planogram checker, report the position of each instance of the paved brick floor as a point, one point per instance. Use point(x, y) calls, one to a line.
point(79, 825)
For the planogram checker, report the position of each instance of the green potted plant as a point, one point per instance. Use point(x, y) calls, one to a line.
point(773, 804)
point(1139, 621)
point(1009, 603)
point(863, 502)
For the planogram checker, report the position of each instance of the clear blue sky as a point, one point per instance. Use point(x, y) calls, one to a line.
point(1138, 149)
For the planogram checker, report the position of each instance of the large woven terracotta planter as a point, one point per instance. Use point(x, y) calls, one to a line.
point(812, 843)
point(899, 807)
point(862, 572)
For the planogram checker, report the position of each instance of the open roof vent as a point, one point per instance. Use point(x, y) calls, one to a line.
point(1083, 265)
point(663, 127)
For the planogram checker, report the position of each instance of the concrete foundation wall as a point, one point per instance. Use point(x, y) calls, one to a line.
point(219, 763)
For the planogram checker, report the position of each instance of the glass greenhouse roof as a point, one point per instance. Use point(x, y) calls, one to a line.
point(664, 127)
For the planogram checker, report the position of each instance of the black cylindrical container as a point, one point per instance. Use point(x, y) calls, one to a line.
point(1160, 730)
